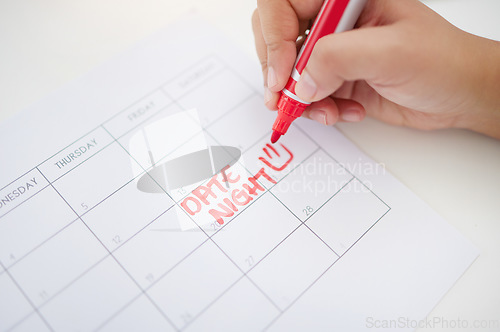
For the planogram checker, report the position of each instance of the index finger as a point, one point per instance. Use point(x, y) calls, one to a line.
point(280, 23)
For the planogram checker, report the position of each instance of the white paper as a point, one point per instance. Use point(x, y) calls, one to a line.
point(309, 234)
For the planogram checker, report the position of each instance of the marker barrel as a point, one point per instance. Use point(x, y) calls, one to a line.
point(334, 16)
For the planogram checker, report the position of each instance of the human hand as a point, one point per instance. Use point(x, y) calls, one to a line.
point(404, 64)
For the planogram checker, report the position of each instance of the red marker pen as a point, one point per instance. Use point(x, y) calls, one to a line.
point(335, 16)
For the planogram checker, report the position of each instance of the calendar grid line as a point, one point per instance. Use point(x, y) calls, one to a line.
point(304, 222)
point(217, 298)
point(107, 196)
point(103, 124)
point(359, 180)
point(162, 88)
point(242, 78)
point(209, 237)
point(119, 311)
point(22, 320)
point(231, 110)
point(267, 190)
point(196, 63)
point(176, 203)
point(112, 256)
point(218, 143)
point(158, 279)
point(158, 88)
point(273, 249)
point(172, 102)
point(91, 267)
point(203, 130)
point(76, 219)
point(362, 235)
point(59, 177)
point(329, 155)
point(284, 177)
point(300, 222)
point(26, 297)
point(307, 226)
point(147, 172)
point(235, 217)
point(198, 84)
point(321, 239)
point(329, 199)
point(79, 164)
point(345, 168)
point(141, 229)
point(245, 274)
point(24, 201)
point(316, 280)
point(74, 280)
point(140, 123)
point(144, 290)
point(40, 244)
point(299, 296)
point(165, 273)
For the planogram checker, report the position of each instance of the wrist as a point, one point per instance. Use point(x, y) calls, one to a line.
point(484, 112)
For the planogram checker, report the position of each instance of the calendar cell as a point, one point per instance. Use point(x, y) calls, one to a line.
point(251, 236)
point(182, 294)
point(213, 106)
point(347, 216)
point(246, 306)
point(281, 158)
point(190, 79)
point(125, 213)
point(292, 267)
point(19, 191)
point(96, 179)
point(162, 244)
point(141, 315)
point(137, 113)
point(32, 223)
point(38, 275)
point(240, 127)
point(84, 305)
point(159, 136)
point(75, 154)
point(13, 305)
point(307, 187)
point(30, 324)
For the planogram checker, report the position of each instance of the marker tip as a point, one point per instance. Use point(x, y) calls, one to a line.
point(275, 137)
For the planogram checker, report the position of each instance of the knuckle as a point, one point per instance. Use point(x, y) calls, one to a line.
point(263, 64)
point(323, 51)
point(273, 45)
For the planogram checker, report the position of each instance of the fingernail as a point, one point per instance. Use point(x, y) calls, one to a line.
point(350, 115)
point(267, 95)
point(272, 80)
point(307, 86)
point(318, 116)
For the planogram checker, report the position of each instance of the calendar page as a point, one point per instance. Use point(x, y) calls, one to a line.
point(146, 196)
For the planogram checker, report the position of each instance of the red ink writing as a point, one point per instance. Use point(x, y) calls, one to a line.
point(223, 202)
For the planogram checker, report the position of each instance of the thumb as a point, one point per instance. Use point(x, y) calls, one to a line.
point(372, 54)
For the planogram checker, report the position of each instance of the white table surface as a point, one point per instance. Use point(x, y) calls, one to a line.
point(45, 44)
